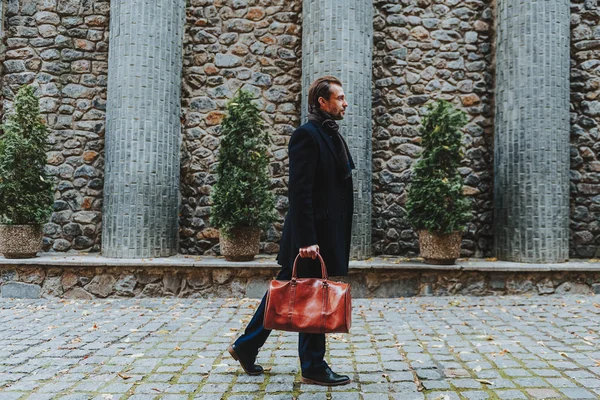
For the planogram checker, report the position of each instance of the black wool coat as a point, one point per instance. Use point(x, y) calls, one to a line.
point(321, 204)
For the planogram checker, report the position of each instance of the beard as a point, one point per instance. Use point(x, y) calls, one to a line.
point(338, 116)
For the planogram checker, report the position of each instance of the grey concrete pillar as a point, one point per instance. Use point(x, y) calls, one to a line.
point(143, 133)
point(337, 39)
point(531, 144)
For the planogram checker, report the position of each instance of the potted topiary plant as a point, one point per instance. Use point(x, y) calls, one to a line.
point(242, 203)
point(26, 190)
point(437, 208)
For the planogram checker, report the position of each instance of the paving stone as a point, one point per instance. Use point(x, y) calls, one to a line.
point(375, 388)
point(530, 382)
point(510, 394)
point(560, 382)
point(182, 388)
point(55, 387)
point(117, 388)
point(442, 395)
point(589, 383)
point(375, 396)
point(408, 396)
point(465, 383)
point(345, 396)
point(400, 375)
point(429, 385)
point(578, 393)
point(543, 393)
point(151, 388)
point(176, 397)
point(244, 387)
point(311, 396)
point(12, 395)
point(513, 372)
point(546, 372)
point(80, 396)
point(475, 395)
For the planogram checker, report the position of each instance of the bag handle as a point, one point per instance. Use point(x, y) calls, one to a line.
point(324, 274)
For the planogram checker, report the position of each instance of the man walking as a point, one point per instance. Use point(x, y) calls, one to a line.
point(319, 220)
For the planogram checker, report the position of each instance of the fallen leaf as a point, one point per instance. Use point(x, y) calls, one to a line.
point(485, 381)
point(123, 376)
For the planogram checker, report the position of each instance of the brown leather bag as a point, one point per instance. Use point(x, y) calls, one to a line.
point(309, 305)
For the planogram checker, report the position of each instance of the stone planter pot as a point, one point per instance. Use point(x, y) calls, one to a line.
point(439, 249)
point(20, 241)
point(242, 244)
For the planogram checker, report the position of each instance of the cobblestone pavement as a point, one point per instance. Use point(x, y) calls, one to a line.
point(414, 348)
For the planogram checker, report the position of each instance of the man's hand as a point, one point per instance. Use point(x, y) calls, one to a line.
point(310, 251)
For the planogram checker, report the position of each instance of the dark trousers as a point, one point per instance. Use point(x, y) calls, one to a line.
point(311, 346)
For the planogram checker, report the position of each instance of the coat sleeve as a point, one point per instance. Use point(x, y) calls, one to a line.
point(303, 155)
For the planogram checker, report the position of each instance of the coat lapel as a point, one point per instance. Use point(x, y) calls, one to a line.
point(327, 140)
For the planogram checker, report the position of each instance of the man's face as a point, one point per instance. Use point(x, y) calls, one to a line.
point(336, 104)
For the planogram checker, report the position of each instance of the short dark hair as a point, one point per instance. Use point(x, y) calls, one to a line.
point(321, 87)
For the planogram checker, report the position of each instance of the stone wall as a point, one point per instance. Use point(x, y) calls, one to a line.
point(191, 282)
point(585, 136)
point(231, 44)
point(423, 49)
point(427, 50)
point(61, 48)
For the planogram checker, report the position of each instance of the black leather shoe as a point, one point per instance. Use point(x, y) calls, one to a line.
point(325, 378)
point(247, 365)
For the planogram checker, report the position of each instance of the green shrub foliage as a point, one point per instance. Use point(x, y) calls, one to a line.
point(26, 190)
point(241, 195)
point(435, 197)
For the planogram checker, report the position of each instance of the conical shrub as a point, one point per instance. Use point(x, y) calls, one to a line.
point(435, 197)
point(241, 195)
point(26, 190)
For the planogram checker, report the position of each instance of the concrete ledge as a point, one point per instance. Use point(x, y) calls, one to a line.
point(263, 261)
point(92, 276)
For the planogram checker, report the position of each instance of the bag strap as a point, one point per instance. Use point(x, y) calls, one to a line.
point(324, 274)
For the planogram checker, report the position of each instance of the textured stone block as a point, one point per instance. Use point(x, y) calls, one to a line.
point(18, 290)
point(141, 189)
point(531, 141)
point(337, 39)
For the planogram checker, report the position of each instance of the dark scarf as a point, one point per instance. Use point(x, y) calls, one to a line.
point(333, 129)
